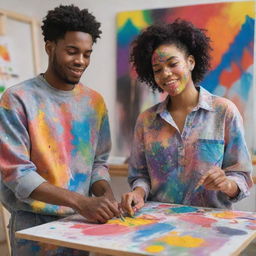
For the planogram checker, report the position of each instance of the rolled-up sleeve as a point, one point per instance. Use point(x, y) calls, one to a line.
point(100, 167)
point(18, 173)
point(138, 171)
point(237, 161)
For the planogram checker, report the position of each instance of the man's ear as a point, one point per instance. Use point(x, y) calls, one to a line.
point(49, 47)
point(191, 62)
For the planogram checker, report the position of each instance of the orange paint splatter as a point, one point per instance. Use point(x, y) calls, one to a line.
point(4, 53)
point(227, 215)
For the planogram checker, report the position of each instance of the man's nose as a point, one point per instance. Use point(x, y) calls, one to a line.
point(80, 60)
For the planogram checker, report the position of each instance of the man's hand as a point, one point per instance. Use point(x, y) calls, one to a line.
point(133, 201)
point(216, 179)
point(98, 209)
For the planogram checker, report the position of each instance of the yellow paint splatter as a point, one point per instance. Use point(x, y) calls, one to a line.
point(226, 215)
point(38, 205)
point(129, 222)
point(154, 248)
point(183, 241)
point(136, 17)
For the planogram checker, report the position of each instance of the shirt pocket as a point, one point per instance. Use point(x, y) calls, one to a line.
point(210, 152)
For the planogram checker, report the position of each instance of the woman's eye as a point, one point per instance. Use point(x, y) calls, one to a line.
point(156, 71)
point(173, 64)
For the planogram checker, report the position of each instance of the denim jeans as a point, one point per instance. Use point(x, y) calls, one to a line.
point(20, 247)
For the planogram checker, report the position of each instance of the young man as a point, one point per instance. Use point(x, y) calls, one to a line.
point(54, 136)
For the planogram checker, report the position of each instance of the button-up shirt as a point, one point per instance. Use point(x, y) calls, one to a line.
point(168, 163)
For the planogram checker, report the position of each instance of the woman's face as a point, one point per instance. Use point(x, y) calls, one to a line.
point(172, 68)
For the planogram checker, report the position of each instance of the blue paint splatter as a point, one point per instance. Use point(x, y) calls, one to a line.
point(81, 132)
point(231, 231)
point(183, 209)
point(76, 181)
point(152, 229)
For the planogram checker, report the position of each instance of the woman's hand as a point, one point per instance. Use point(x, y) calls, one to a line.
point(133, 201)
point(216, 179)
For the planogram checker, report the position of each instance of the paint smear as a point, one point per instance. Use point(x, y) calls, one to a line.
point(227, 214)
point(183, 241)
point(153, 229)
point(102, 230)
point(183, 209)
point(130, 222)
point(199, 220)
point(154, 248)
point(231, 231)
point(252, 227)
point(149, 217)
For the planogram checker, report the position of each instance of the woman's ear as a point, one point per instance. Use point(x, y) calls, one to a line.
point(191, 62)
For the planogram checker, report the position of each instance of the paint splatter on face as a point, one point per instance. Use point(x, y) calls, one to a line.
point(171, 68)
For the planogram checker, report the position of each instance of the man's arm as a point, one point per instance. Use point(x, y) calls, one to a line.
point(96, 209)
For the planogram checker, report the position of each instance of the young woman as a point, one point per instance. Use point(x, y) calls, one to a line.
point(190, 148)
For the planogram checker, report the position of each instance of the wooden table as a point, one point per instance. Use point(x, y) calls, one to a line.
point(157, 229)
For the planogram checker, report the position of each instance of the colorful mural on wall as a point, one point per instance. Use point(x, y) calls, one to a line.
point(8, 76)
point(231, 28)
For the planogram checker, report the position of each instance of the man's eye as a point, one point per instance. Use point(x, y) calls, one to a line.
point(71, 52)
point(156, 71)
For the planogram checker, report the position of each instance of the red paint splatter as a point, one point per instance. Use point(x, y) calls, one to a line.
point(102, 230)
point(199, 220)
point(252, 227)
point(247, 60)
point(163, 206)
point(227, 78)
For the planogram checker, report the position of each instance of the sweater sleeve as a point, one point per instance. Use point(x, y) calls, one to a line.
point(100, 167)
point(18, 173)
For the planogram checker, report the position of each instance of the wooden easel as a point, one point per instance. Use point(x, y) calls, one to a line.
point(34, 24)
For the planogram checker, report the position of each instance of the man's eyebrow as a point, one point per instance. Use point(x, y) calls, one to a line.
point(170, 58)
point(76, 48)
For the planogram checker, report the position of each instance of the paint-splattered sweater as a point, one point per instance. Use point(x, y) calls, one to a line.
point(46, 134)
point(168, 164)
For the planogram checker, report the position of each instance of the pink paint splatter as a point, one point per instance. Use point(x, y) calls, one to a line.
point(100, 230)
point(200, 220)
point(252, 227)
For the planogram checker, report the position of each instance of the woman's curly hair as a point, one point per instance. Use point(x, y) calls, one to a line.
point(69, 18)
point(181, 33)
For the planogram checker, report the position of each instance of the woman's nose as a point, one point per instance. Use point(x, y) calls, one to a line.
point(167, 72)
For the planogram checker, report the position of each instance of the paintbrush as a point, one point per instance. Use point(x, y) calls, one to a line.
point(122, 217)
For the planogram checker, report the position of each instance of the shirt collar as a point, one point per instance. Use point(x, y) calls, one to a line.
point(204, 102)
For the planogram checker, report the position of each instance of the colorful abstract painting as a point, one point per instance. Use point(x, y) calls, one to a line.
point(157, 229)
point(231, 28)
point(8, 75)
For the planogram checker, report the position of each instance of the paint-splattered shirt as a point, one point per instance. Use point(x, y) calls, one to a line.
point(46, 134)
point(168, 164)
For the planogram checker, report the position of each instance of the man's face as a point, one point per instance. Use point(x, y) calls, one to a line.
point(69, 57)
